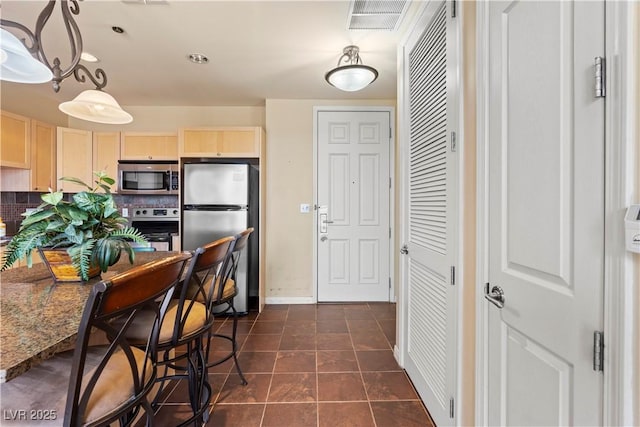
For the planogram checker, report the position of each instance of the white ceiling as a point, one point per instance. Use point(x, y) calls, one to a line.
point(257, 50)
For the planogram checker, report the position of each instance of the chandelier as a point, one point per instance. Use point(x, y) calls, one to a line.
point(26, 62)
point(352, 76)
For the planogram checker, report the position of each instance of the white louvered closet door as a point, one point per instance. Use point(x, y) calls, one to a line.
point(430, 337)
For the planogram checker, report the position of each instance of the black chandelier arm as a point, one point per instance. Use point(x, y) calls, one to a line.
point(73, 34)
point(32, 45)
point(42, 20)
point(100, 79)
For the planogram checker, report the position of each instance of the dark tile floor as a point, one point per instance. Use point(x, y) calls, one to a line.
point(309, 365)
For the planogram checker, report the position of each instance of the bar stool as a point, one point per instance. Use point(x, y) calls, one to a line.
point(186, 325)
point(224, 296)
point(117, 388)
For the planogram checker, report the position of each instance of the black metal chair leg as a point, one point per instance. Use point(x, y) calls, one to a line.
point(234, 345)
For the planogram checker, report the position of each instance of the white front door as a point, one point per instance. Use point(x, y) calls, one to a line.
point(353, 205)
point(545, 212)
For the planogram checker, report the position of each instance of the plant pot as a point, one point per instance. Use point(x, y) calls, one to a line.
point(59, 264)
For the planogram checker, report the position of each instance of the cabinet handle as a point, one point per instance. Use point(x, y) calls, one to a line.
point(219, 154)
point(150, 157)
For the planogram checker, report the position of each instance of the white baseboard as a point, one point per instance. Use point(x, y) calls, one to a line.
point(396, 355)
point(289, 300)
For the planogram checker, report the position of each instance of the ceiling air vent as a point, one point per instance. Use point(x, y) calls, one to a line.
point(376, 14)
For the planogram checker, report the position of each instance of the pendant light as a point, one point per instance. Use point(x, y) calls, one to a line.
point(354, 75)
point(19, 64)
point(96, 106)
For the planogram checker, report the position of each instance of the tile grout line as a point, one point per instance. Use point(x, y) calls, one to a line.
point(364, 385)
point(273, 371)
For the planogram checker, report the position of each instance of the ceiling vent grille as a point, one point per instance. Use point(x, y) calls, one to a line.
point(376, 14)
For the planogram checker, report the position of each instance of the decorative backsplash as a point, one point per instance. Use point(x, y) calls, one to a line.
point(13, 204)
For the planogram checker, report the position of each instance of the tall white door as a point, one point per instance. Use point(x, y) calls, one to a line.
point(430, 253)
point(546, 212)
point(353, 205)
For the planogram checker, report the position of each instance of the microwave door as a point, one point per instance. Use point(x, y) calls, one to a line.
point(138, 182)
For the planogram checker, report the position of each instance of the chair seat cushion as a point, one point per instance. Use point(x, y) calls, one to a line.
point(45, 385)
point(115, 384)
point(195, 321)
point(228, 292)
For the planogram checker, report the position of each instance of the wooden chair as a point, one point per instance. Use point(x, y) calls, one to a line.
point(117, 387)
point(224, 296)
point(186, 326)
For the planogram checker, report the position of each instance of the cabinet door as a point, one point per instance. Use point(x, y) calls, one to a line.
point(74, 155)
point(15, 141)
point(220, 142)
point(106, 153)
point(43, 156)
point(149, 146)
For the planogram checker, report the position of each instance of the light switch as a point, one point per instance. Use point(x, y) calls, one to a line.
point(305, 208)
point(125, 212)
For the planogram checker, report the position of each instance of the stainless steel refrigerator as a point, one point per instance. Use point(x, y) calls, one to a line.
point(218, 201)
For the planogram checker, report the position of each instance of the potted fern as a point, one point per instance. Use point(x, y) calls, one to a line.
point(78, 239)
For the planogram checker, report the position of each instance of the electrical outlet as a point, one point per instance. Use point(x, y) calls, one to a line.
point(125, 212)
point(305, 208)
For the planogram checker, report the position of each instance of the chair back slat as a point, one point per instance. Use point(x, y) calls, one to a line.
point(199, 283)
point(231, 266)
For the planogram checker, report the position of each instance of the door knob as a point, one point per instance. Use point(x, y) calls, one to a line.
point(495, 296)
point(404, 250)
point(323, 239)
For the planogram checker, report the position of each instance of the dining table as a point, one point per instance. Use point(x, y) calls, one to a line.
point(40, 317)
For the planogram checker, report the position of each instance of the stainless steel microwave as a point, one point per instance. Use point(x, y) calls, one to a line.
point(153, 177)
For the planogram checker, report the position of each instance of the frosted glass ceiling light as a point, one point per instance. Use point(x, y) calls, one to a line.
point(96, 106)
point(17, 64)
point(32, 49)
point(352, 76)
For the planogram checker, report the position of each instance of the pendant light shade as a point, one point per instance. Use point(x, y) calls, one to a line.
point(354, 75)
point(17, 64)
point(96, 106)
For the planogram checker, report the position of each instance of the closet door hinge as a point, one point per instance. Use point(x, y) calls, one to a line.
point(454, 142)
point(598, 350)
point(454, 12)
point(599, 74)
point(453, 275)
point(451, 408)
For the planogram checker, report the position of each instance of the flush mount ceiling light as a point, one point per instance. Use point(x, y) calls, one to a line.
point(15, 64)
point(87, 57)
point(198, 58)
point(352, 76)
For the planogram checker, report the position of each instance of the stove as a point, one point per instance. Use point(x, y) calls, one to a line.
point(158, 225)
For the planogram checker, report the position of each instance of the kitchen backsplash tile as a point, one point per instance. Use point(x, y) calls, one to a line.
point(14, 204)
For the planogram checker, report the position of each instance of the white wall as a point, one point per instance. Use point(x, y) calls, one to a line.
point(167, 119)
point(289, 234)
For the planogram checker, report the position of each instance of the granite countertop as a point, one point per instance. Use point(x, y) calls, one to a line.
point(39, 317)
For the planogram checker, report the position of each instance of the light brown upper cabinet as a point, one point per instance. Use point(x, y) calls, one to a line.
point(75, 158)
point(149, 146)
point(221, 142)
point(106, 153)
point(15, 140)
point(43, 156)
